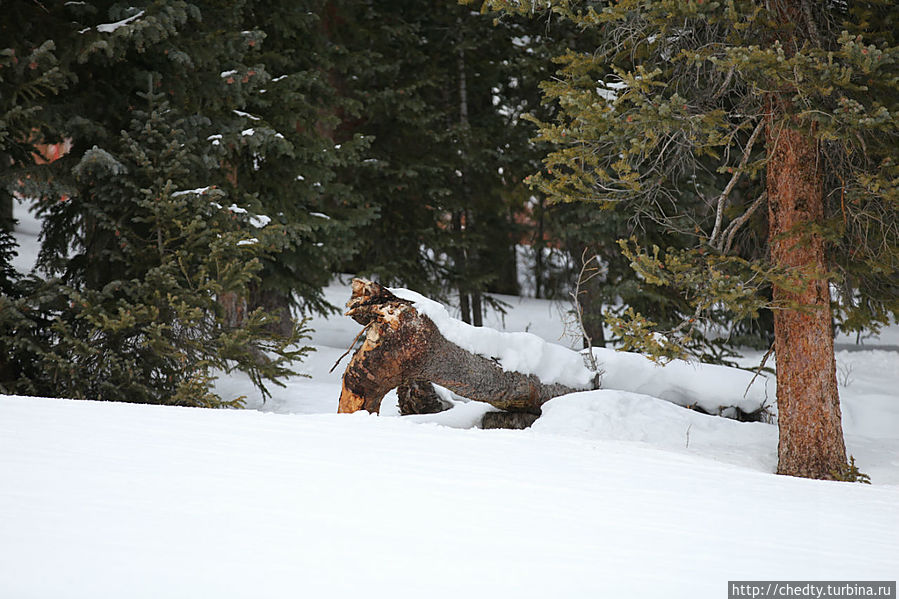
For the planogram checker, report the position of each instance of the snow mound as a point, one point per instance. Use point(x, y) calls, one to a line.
point(610, 415)
point(708, 386)
point(103, 500)
point(519, 352)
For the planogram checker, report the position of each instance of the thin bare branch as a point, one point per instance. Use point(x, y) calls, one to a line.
point(732, 229)
point(587, 272)
point(722, 199)
point(758, 370)
point(350, 348)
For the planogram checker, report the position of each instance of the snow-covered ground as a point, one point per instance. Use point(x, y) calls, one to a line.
point(612, 493)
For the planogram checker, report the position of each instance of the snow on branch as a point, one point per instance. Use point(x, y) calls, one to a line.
point(110, 27)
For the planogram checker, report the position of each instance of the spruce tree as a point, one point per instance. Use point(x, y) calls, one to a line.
point(144, 264)
point(289, 152)
point(441, 94)
point(698, 115)
point(30, 73)
point(156, 333)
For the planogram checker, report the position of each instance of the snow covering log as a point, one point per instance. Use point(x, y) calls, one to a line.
point(402, 345)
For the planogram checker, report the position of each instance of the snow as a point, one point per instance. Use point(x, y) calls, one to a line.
point(26, 235)
point(609, 90)
point(110, 27)
point(250, 241)
point(225, 74)
point(117, 500)
point(245, 114)
point(198, 191)
point(260, 220)
point(686, 383)
point(617, 492)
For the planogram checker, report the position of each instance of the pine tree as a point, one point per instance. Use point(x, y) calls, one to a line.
point(695, 115)
point(29, 74)
point(156, 335)
point(442, 92)
point(289, 152)
point(144, 263)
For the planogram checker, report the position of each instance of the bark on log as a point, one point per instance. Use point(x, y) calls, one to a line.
point(402, 345)
point(510, 420)
point(419, 397)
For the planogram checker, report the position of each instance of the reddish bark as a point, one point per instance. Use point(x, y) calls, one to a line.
point(809, 420)
point(811, 436)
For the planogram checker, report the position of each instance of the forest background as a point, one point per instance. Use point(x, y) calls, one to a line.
point(222, 160)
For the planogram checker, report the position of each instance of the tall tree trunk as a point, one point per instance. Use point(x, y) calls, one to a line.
point(477, 309)
point(811, 436)
point(809, 420)
point(461, 217)
point(461, 269)
point(277, 304)
point(538, 248)
point(6, 198)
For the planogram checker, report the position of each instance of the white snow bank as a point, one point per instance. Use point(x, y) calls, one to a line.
point(104, 500)
point(27, 235)
point(708, 386)
point(625, 416)
point(464, 413)
point(519, 352)
point(868, 397)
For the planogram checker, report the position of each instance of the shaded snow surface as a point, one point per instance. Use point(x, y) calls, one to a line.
point(116, 500)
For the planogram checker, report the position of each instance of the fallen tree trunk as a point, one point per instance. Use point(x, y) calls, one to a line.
point(403, 345)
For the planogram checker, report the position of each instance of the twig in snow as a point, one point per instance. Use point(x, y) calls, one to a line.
point(587, 272)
